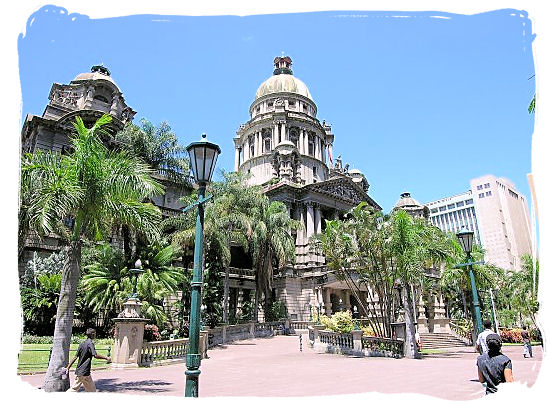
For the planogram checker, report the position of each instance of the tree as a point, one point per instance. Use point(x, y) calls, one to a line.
point(156, 146)
point(271, 241)
point(95, 188)
point(415, 245)
point(228, 222)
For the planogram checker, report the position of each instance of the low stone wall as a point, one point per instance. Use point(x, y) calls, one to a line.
point(353, 343)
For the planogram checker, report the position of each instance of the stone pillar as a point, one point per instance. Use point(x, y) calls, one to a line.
point(283, 132)
point(330, 153)
point(347, 301)
point(310, 220)
point(239, 301)
point(246, 151)
point(275, 135)
point(317, 213)
point(422, 321)
point(236, 159)
point(128, 338)
point(357, 336)
point(328, 304)
point(301, 148)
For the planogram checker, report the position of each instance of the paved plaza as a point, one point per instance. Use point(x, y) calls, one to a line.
point(276, 367)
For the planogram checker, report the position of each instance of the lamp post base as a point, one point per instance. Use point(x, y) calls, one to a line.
point(192, 383)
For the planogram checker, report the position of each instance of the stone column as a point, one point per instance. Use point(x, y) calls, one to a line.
point(329, 150)
point(246, 151)
point(283, 131)
point(357, 336)
point(128, 338)
point(328, 304)
point(310, 221)
point(236, 158)
point(301, 148)
point(347, 301)
point(275, 135)
point(422, 321)
point(317, 213)
point(240, 301)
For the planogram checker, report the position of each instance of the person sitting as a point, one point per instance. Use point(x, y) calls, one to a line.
point(493, 367)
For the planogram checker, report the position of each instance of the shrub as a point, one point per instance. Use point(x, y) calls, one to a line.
point(368, 331)
point(340, 321)
point(511, 335)
point(151, 333)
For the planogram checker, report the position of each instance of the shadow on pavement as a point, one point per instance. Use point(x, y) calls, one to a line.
point(149, 386)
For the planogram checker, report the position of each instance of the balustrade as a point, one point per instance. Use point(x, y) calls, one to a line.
point(157, 351)
point(379, 345)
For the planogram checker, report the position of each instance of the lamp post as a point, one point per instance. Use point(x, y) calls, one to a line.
point(136, 271)
point(466, 238)
point(202, 159)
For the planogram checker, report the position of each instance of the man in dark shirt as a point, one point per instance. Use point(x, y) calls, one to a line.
point(85, 353)
point(527, 349)
point(493, 367)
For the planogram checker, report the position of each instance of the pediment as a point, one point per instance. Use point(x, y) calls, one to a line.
point(341, 188)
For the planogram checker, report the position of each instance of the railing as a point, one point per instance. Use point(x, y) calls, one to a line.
point(336, 339)
point(300, 325)
point(382, 345)
point(158, 351)
point(268, 329)
point(461, 332)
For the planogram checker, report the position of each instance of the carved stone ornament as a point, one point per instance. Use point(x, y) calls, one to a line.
point(279, 102)
point(342, 191)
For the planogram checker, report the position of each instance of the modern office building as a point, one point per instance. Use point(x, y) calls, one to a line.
point(497, 214)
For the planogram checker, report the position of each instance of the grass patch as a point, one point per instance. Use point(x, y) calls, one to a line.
point(519, 343)
point(431, 351)
point(34, 357)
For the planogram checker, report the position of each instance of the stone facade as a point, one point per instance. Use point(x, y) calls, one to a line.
point(287, 150)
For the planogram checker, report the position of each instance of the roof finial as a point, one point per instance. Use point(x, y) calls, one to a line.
point(282, 65)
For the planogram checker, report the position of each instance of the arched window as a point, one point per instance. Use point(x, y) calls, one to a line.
point(267, 144)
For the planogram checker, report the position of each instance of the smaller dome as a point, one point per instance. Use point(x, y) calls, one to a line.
point(355, 171)
point(406, 201)
point(97, 72)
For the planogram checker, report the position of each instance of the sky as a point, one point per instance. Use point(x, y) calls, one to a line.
point(418, 101)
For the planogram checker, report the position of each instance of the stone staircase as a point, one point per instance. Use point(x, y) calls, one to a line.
point(440, 341)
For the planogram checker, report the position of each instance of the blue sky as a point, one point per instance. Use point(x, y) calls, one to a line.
point(418, 101)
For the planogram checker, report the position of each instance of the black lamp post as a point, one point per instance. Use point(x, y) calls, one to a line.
point(202, 159)
point(466, 240)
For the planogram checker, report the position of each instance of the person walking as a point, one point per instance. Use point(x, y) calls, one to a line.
point(481, 344)
point(86, 351)
point(493, 367)
point(527, 348)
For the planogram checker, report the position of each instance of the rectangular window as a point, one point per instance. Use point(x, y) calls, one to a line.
point(442, 208)
point(488, 193)
point(479, 187)
point(451, 206)
point(486, 185)
point(469, 201)
point(460, 203)
point(433, 210)
point(481, 196)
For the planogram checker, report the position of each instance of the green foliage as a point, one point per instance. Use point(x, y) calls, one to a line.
point(156, 146)
point(341, 321)
point(39, 304)
point(276, 311)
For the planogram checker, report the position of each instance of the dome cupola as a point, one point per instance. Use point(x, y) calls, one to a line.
point(283, 80)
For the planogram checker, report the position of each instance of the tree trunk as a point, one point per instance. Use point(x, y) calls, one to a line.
point(410, 348)
point(225, 295)
point(53, 380)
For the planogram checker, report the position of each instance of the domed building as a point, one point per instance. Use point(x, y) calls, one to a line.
point(288, 151)
point(89, 96)
point(410, 205)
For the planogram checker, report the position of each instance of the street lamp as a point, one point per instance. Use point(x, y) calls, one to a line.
point(202, 159)
point(136, 271)
point(466, 240)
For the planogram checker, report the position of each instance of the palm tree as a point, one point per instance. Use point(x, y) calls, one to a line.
point(416, 245)
point(157, 146)
point(97, 189)
point(271, 240)
point(227, 223)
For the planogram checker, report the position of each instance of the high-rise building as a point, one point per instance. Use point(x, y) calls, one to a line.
point(497, 214)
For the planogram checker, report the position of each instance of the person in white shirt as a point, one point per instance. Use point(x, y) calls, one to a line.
point(481, 343)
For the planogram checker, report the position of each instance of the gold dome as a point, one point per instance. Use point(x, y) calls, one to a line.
point(283, 83)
